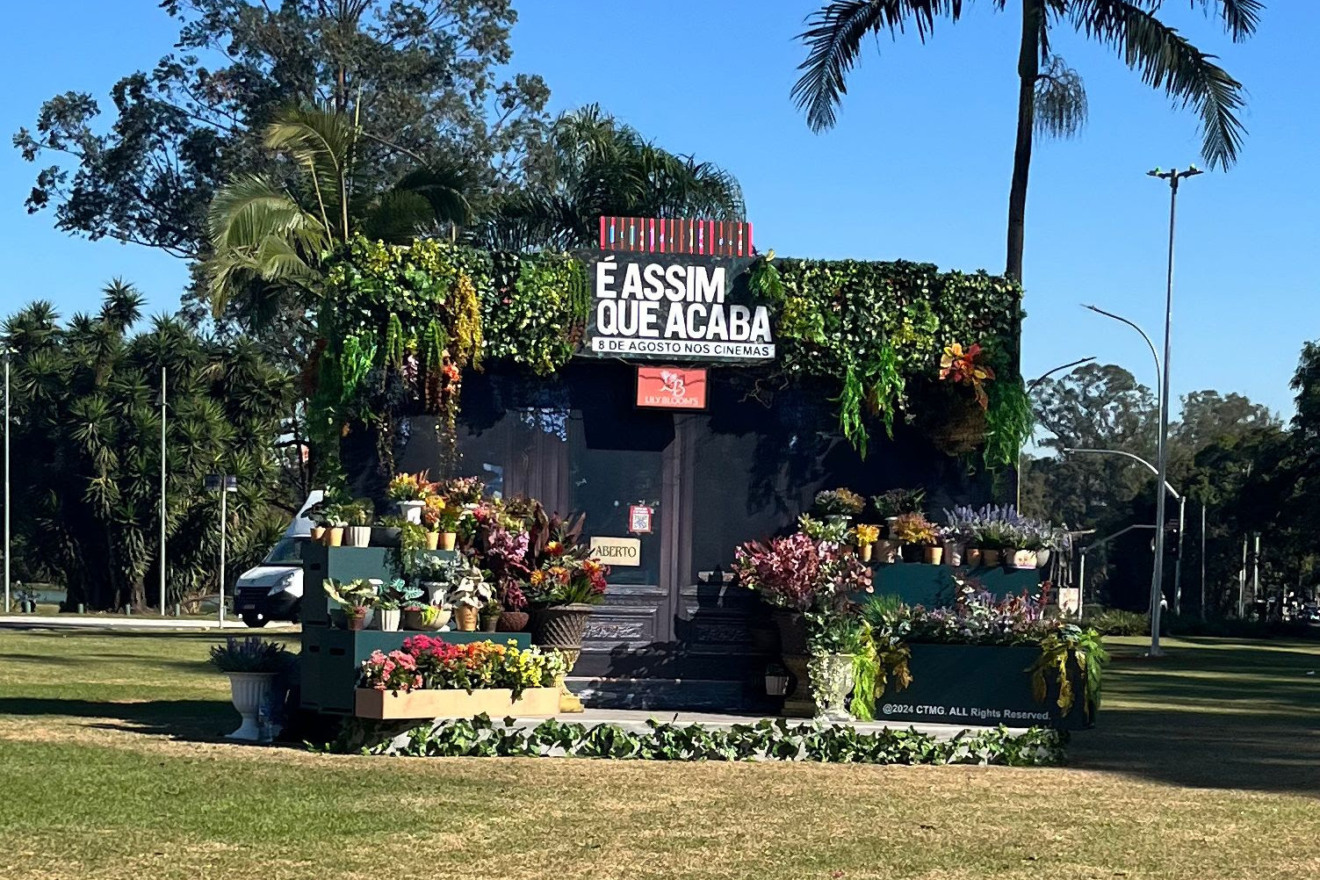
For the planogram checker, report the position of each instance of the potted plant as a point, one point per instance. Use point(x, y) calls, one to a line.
point(336, 522)
point(358, 516)
point(834, 637)
point(356, 599)
point(490, 615)
point(564, 583)
point(431, 516)
point(776, 680)
point(425, 618)
point(448, 527)
point(393, 597)
point(866, 536)
point(513, 605)
point(410, 492)
point(838, 505)
point(959, 536)
point(435, 576)
point(794, 575)
point(919, 538)
point(890, 505)
point(251, 664)
point(386, 531)
point(469, 595)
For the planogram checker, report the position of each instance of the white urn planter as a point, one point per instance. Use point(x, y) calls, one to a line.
point(357, 536)
point(248, 691)
point(412, 510)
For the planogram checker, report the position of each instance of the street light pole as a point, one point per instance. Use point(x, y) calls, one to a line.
point(1157, 581)
point(162, 491)
point(1159, 536)
point(8, 545)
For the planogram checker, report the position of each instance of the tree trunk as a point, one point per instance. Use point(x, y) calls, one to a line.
point(1028, 71)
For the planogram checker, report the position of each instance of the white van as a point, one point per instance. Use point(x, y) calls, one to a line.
point(273, 590)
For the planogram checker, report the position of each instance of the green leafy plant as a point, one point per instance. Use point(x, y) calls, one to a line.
point(250, 654)
point(838, 502)
point(914, 528)
point(1083, 650)
point(899, 501)
point(763, 741)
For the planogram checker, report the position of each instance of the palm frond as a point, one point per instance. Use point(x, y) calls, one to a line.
point(1061, 106)
point(1240, 16)
point(834, 36)
point(1167, 60)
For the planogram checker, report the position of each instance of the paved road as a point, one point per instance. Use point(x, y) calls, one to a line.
point(124, 622)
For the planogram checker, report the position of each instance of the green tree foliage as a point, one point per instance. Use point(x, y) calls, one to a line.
point(425, 76)
point(1051, 98)
point(87, 435)
point(595, 166)
point(1224, 451)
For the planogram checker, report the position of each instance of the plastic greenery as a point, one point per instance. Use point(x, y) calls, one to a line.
point(838, 502)
point(1084, 650)
point(764, 741)
point(251, 654)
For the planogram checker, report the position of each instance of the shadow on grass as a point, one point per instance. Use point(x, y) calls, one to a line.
point(1212, 714)
point(177, 719)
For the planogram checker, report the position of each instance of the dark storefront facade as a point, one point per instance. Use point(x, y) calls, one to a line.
point(667, 497)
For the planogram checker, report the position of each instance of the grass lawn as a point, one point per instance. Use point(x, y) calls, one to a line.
point(1205, 764)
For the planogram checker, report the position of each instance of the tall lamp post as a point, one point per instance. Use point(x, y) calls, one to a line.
point(5, 353)
point(224, 484)
point(1156, 593)
point(1174, 177)
point(161, 401)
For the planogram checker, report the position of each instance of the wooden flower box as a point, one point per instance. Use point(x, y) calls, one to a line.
point(425, 704)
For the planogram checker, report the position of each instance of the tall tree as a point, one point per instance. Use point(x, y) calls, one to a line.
point(1051, 98)
point(425, 76)
point(87, 429)
point(593, 167)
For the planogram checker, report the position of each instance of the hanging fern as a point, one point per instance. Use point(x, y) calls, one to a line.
point(1009, 422)
point(395, 342)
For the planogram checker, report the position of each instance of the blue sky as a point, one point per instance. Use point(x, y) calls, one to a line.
point(917, 168)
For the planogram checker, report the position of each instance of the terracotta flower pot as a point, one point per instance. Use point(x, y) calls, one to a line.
point(318, 534)
point(466, 618)
point(933, 555)
point(973, 556)
point(357, 622)
point(512, 621)
point(866, 553)
point(334, 536)
point(448, 540)
point(989, 556)
point(432, 540)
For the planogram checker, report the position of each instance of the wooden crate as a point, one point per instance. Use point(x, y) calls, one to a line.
point(495, 702)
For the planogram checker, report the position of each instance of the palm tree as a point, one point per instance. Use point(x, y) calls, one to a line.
point(598, 167)
point(268, 240)
point(1051, 99)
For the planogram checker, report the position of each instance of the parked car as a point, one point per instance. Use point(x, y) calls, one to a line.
point(273, 590)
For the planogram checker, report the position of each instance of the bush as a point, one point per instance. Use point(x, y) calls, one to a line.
point(251, 654)
point(1116, 622)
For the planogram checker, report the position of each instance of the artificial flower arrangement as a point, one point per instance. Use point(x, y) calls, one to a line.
point(915, 529)
point(356, 598)
point(410, 487)
point(967, 367)
point(426, 663)
point(838, 502)
point(799, 573)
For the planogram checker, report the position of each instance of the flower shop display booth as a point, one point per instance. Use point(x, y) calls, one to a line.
point(682, 396)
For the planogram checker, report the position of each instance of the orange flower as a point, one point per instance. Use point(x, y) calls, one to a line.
point(538, 577)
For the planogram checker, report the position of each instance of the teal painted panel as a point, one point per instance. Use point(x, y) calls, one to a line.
point(343, 564)
point(976, 685)
point(932, 585)
point(332, 657)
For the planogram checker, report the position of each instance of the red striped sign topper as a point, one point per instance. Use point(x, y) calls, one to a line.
point(715, 238)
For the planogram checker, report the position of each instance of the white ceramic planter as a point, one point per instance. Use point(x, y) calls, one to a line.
point(248, 690)
point(412, 510)
point(1023, 559)
point(389, 619)
point(357, 536)
point(1042, 558)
